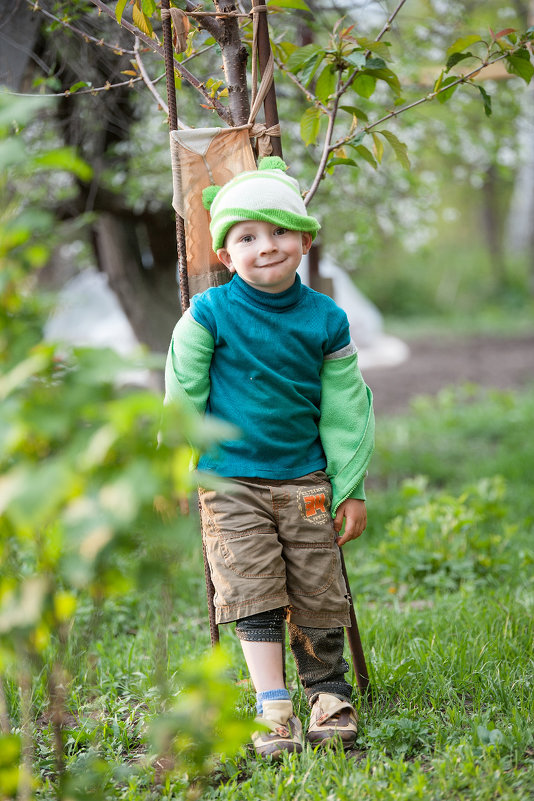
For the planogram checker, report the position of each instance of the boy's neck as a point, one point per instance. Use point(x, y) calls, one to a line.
point(275, 300)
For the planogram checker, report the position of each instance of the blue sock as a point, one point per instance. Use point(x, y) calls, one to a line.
point(271, 695)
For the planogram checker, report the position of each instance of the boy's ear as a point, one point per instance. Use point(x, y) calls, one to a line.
point(306, 242)
point(224, 256)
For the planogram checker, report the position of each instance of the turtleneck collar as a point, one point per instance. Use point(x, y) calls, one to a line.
point(271, 301)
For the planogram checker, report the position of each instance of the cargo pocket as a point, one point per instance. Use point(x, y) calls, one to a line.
point(314, 572)
point(253, 554)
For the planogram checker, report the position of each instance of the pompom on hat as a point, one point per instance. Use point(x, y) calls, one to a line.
point(266, 194)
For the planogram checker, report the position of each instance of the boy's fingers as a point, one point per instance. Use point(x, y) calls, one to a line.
point(353, 529)
point(338, 520)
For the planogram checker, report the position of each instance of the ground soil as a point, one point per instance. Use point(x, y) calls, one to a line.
point(435, 363)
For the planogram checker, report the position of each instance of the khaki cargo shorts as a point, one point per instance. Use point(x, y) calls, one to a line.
point(271, 544)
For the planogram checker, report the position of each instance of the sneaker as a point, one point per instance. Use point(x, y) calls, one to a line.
point(285, 730)
point(332, 719)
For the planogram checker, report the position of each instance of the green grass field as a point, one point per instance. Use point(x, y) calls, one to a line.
point(443, 584)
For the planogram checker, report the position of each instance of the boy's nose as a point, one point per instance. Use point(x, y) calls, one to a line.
point(267, 244)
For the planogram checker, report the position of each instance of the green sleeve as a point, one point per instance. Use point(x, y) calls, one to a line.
point(346, 425)
point(187, 370)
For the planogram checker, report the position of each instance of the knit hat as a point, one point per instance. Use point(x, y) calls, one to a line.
point(266, 194)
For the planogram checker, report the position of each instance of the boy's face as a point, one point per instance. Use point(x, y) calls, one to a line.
point(264, 255)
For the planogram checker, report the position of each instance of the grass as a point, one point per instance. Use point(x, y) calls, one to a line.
point(444, 593)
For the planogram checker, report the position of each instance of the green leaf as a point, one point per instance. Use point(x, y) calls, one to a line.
point(149, 7)
point(455, 59)
point(357, 59)
point(357, 138)
point(376, 63)
point(380, 48)
point(389, 77)
point(378, 147)
point(301, 56)
point(335, 161)
point(309, 125)
point(364, 85)
point(486, 99)
point(64, 158)
point(79, 85)
point(299, 4)
point(10, 748)
point(400, 149)
point(283, 50)
point(310, 68)
point(356, 112)
point(326, 83)
point(444, 93)
point(519, 64)
point(366, 154)
point(461, 44)
point(142, 21)
point(20, 110)
point(12, 153)
point(119, 9)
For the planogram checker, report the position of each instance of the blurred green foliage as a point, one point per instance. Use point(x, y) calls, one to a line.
point(89, 503)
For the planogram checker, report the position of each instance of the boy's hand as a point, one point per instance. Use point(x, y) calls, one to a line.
point(354, 513)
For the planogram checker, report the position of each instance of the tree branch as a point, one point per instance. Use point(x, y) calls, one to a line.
point(148, 82)
point(235, 56)
point(212, 25)
point(332, 113)
point(384, 30)
point(425, 99)
point(118, 49)
point(310, 97)
point(215, 104)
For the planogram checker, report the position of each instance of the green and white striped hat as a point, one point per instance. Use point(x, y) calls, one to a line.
point(266, 194)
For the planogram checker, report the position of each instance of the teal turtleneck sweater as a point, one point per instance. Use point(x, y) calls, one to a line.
point(265, 375)
point(259, 361)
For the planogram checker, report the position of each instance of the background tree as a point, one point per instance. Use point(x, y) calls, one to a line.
point(335, 82)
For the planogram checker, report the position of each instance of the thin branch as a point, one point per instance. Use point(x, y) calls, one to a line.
point(215, 104)
point(332, 113)
point(93, 90)
point(425, 99)
point(148, 82)
point(86, 36)
point(310, 97)
point(390, 19)
point(384, 30)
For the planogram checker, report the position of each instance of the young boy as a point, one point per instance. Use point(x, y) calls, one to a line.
point(275, 358)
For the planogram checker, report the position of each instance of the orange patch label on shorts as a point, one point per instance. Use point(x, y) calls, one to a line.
point(313, 506)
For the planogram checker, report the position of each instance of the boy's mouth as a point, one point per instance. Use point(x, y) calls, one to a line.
point(270, 264)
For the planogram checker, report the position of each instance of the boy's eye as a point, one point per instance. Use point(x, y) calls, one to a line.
point(247, 238)
point(280, 231)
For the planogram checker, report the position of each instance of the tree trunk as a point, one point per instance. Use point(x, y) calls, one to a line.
point(234, 55)
point(148, 295)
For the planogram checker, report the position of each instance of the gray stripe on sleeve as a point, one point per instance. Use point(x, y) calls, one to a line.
point(348, 350)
